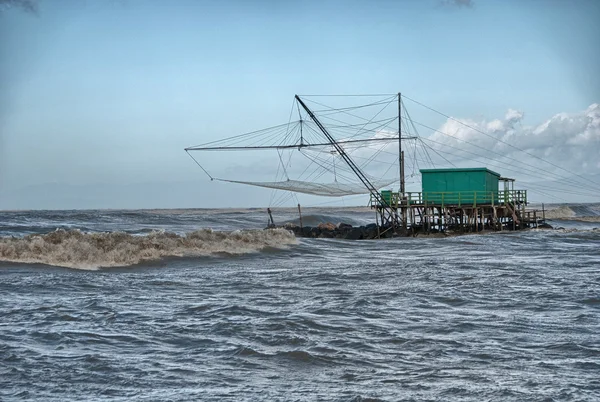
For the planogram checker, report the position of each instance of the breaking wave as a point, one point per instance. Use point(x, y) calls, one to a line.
point(76, 249)
point(562, 212)
point(588, 213)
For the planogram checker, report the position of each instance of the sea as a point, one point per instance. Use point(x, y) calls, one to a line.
point(183, 305)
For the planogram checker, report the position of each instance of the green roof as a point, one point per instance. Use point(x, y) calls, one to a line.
point(479, 169)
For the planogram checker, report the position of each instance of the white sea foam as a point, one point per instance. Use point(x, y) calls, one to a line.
point(585, 213)
point(76, 249)
point(561, 212)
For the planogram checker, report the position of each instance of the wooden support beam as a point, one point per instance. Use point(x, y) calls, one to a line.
point(496, 218)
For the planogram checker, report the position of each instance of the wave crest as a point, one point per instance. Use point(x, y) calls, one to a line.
point(562, 212)
point(580, 212)
point(76, 249)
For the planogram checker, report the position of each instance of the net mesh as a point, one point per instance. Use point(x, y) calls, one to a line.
point(334, 189)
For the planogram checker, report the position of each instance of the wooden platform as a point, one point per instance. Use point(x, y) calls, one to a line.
point(447, 212)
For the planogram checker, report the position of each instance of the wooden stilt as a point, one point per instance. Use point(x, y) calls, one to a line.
point(496, 218)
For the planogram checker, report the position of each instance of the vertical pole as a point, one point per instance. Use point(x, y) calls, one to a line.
point(270, 217)
point(403, 210)
point(400, 143)
point(482, 211)
point(543, 213)
point(300, 214)
point(401, 162)
point(496, 218)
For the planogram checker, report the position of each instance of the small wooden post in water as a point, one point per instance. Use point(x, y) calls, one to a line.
point(543, 213)
point(270, 217)
point(300, 215)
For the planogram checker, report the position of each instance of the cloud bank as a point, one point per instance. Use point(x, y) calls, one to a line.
point(557, 158)
point(571, 139)
point(562, 149)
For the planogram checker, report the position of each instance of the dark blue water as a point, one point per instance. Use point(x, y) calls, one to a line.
point(511, 316)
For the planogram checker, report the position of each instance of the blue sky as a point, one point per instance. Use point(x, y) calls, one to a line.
point(108, 93)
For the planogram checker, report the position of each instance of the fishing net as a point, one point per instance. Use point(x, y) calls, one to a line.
point(324, 189)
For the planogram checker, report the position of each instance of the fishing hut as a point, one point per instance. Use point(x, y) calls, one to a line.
point(459, 200)
point(338, 151)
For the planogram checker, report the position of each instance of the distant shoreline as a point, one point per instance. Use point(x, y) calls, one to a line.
point(552, 211)
point(356, 208)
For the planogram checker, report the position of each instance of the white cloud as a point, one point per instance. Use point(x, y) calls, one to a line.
point(561, 149)
point(571, 140)
point(513, 116)
point(549, 157)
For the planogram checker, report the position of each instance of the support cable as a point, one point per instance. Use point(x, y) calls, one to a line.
point(204, 170)
point(536, 168)
point(374, 193)
point(503, 142)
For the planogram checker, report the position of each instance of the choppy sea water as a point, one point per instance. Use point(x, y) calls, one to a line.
point(237, 314)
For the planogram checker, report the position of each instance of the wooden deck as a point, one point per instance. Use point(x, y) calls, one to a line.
point(457, 212)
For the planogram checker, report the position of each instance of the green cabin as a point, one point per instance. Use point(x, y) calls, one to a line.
point(459, 186)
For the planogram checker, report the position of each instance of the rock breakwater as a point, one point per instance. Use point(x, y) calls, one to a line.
point(340, 231)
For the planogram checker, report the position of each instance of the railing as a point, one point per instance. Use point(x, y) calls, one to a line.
point(455, 198)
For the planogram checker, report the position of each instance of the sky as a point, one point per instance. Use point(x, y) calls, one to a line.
point(98, 99)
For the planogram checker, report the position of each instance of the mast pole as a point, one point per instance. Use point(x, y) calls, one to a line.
point(401, 164)
point(400, 144)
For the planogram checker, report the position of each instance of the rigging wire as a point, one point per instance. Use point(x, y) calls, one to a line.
point(378, 113)
point(273, 192)
point(204, 170)
point(503, 142)
point(283, 165)
point(332, 110)
point(536, 168)
point(425, 146)
point(506, 168)
point(342, 95)
point(349, 114)
point(257, 132)
point(534, 172)
point(319, 166)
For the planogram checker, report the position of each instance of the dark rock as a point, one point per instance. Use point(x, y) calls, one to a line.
point(344, 226)
point(370, 232)
point(326, 226)
point(355, 234)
